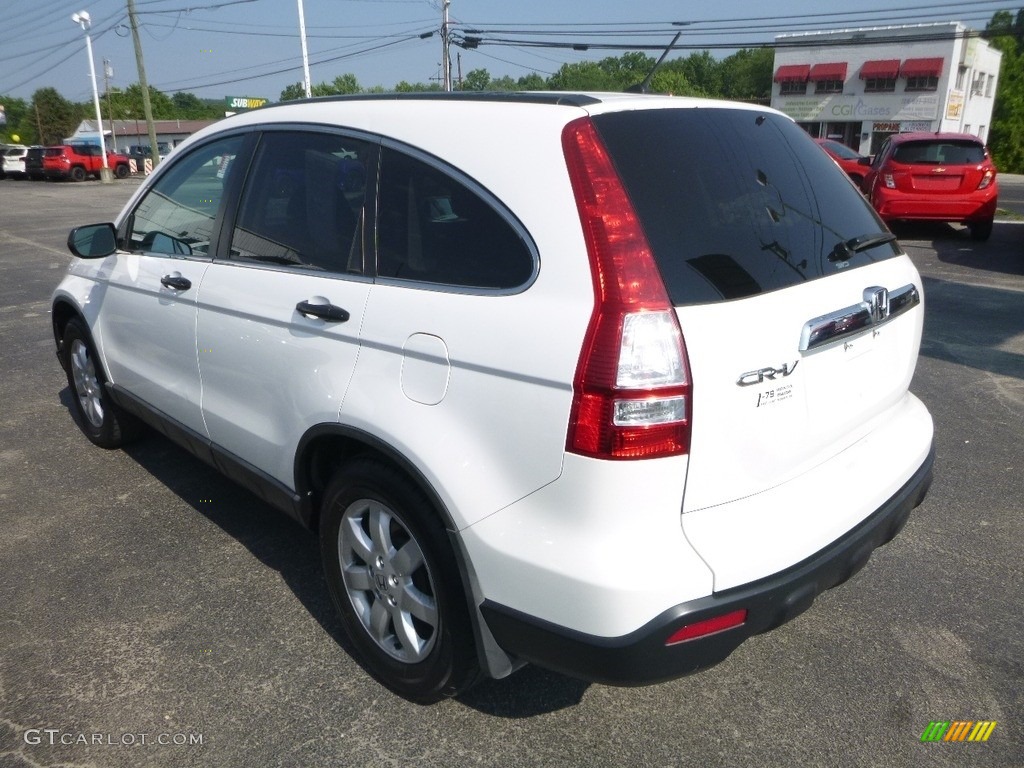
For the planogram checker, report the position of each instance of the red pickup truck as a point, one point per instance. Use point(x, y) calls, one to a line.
point(78, 161)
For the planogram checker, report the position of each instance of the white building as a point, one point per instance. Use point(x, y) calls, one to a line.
point(860, 85)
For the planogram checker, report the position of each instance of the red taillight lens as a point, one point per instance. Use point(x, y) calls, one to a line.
point(708, 627)
point(987, 178)
point(632, 388)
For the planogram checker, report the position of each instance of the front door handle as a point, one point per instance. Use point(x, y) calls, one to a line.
point(327, 311)
point(176, 281)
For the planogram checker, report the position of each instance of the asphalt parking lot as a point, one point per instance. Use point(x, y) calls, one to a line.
point(154, 614)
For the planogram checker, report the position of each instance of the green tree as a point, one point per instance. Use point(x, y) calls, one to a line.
point(56, 117)
point(293, 92)
point(702, 71)
point(477, 80)
point(628, 69)
point(1006, 134)
point(673, 82)
point(407, 87)
point(191, 107)
point(127, 104)
point(342, 85)
point(583, 76)
point(747, 74)
point(16, 112)
point(531, 82)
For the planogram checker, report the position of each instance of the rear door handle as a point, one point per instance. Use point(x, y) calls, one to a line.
point(328, 312)
point(176, 281)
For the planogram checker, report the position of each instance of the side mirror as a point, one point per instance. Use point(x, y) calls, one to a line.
point(865, 160)
point(95, 241)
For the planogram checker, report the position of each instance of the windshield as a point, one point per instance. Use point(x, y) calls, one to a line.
point(737, 202)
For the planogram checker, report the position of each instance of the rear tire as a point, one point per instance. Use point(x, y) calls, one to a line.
point(393, 578)
point(78, 173)
point(981, 230)
point(99, 418)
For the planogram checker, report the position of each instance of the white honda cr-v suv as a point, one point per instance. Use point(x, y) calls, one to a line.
point(607, 383)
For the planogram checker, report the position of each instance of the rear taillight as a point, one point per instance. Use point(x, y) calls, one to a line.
point(890, 182)
point(632, 391)
point(987, 178)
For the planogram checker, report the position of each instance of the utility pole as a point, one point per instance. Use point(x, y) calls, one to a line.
point(107, 73)
point(305, 53)
point(147, 108)
point(446, 59)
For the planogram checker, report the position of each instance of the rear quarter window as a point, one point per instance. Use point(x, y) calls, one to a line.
point(736, 202)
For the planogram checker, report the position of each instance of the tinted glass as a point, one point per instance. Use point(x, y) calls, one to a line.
point(945, 152)
point(303, 202)
point(433, 228)
point(841, 150)
point(177, 214)
point(736, 202)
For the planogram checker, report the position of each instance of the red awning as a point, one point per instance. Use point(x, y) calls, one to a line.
point(922, 68)
point(834, 71)
point(886, 69)
point(792, 73)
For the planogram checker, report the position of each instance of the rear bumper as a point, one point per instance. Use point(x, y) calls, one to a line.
point(892, 205)
point(642, 657)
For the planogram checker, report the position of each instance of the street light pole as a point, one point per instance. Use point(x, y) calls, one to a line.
point(82, 19)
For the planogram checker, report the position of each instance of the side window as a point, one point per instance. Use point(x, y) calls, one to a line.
point(881, 154)
point(177, 214)
point(433, 228)
point(303, 202)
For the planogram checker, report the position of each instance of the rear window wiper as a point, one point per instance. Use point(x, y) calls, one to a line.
point(845, 249)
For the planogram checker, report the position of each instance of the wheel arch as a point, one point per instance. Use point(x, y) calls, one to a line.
point(325, 448)
point(62, 311)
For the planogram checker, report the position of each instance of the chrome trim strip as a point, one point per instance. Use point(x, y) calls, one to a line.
point(879, 307)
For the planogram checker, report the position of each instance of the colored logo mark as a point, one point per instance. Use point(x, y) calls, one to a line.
point(958, 730)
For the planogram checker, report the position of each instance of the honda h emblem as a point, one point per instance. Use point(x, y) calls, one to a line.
point(877, 300)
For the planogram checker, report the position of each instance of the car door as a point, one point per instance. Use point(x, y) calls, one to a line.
point(279, 315)
point(149, 309)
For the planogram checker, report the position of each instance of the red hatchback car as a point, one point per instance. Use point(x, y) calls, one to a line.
point(935, 176)
point(854, 163)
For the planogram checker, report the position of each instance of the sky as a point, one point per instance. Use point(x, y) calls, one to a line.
point(230, 48)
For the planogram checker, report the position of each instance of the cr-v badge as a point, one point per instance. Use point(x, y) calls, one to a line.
point(750, 378)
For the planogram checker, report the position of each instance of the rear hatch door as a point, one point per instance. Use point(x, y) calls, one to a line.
point(780, 272)
point(939, 166)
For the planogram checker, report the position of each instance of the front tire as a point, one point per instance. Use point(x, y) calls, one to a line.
point(98, 417)
point(393, 578)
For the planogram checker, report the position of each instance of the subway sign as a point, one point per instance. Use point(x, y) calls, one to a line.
point(244, 102)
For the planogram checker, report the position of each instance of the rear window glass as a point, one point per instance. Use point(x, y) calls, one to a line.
point(737, 202)
point(939, 153)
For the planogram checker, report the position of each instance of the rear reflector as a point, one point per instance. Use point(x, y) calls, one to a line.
point(708, 627)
